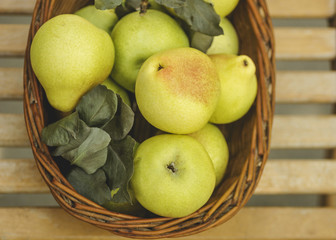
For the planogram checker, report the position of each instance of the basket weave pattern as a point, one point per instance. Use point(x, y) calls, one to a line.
point(248, 138)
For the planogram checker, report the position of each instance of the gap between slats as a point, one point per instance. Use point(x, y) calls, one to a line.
point(279, 177)
point(292, 43)
point(250, 222)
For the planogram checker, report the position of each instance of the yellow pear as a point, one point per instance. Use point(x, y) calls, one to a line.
point(238, 87)
point(223, 7)
point(69, 56)
point(228, 42)
point(177, 90)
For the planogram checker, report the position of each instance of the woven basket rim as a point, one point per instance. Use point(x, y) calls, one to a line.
point(221, 207)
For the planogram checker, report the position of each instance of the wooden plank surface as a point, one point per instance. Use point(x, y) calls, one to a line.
point(11, 82)
point(13, 131)
point(256, 222)
point(301, 8)
point(305, 43)
point(17, 6)
point(278, 9)
point(301, 131)
point(279, 177)
point(304, 131)
point(306, 87)
point(292, 43)
point(298, 177)
point(20, 176)
point(13, 39)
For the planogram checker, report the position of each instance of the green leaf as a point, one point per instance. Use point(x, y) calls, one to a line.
point(134, 4)
point(66, 134)
point(92, 186)
point(123, 9)
point(172, 3)
point(122, 122)
point(201, 17)
point(76, 142)
point(119, 168)
point(92, 153)
point(107, 4)
point(98, 106)
point(201, 41)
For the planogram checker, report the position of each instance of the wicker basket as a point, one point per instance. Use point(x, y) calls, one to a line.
point(248, 138)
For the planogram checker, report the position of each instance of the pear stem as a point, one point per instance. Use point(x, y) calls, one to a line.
point(143, 7)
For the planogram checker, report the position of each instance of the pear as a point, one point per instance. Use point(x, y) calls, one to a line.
point(103, 19)
point(137, 37)
point(223, 7)
point(70, 56)
point(177, 90)
point(228, 42)
point(216, 146)
point(238, 87)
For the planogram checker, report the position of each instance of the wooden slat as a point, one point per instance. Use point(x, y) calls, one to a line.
point(288, 131)
point(13, 39)
point(13, 131)
point(292, 43)
point(306, 87)
point(304, 131)
point(279, 177)
point(291, 86)
point(20, 176)
point(250, 223)
point(11, 83)
point(299, 177)
point(278, 9)
point(305, 43)
point(17, 6)
point(301, 8)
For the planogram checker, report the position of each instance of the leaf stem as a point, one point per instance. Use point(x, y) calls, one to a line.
point(143, 6)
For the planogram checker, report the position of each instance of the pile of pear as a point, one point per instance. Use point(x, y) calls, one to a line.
point(181, 91)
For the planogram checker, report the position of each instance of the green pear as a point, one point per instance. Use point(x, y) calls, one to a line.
point(103, 19)
point(238, 87)
point(70, 56)
point(212, 139)
point(137, 37)
point(177, 90)
point(223, 7)
point(173, 175)
point(228, 42)
point(112, 85)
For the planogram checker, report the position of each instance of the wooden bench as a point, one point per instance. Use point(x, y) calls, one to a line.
point(303, 140)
